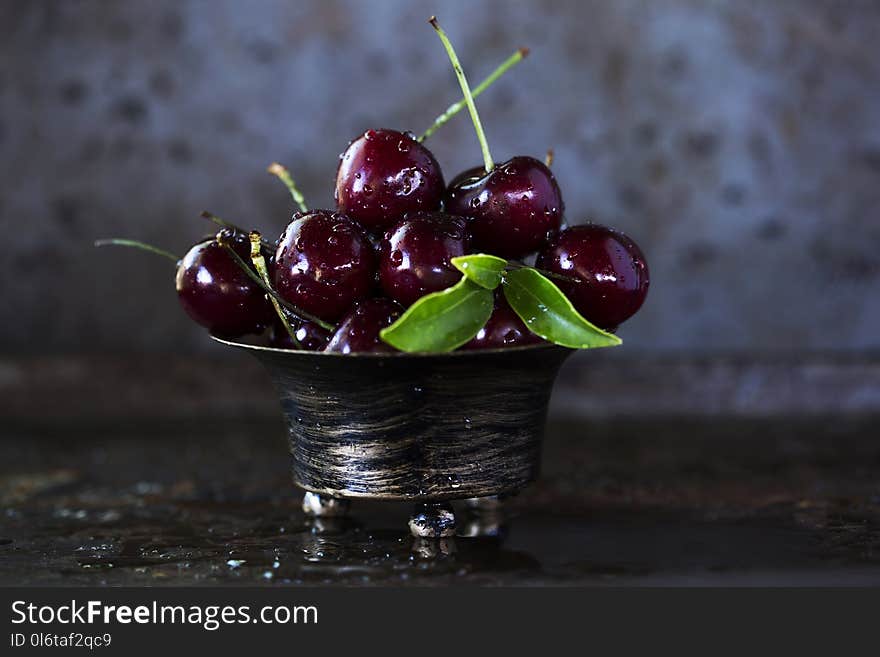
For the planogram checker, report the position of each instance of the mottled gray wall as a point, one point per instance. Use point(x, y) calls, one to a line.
point(738, 142)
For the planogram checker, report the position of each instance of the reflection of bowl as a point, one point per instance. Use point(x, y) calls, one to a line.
point(421, 427)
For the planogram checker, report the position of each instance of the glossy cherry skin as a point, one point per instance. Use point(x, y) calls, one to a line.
point(415, 255)
point(217, 294)
point(383, 175)
point(611, 268)
point(358, 331)
point(324, 263)
point(466, 176)
point(311, 336)
point(514, 209)
point(504, 329)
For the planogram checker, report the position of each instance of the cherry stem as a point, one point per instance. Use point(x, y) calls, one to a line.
point(284, 175)
point(513, 264)
point(455, 108)
point(260, 265)
point(301, 314)
point(488, 163)
point(118, 241)
point(228, 224)
point(548, 159)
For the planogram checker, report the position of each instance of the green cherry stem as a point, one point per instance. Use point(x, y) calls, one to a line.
point(548, 158)
point(488, 163)
point(284, 175)
point(213, 218)
point(455, 108)
point(220, 222)
point(260, 265)
point(268, 290)
point(143, 246)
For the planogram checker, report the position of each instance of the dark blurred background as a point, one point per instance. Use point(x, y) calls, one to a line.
point(737, 142)
point(732, 438)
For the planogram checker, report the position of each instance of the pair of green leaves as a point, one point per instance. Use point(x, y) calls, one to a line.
point(445, 320)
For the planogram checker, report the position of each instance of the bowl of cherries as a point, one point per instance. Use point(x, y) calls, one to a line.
point(414, 329)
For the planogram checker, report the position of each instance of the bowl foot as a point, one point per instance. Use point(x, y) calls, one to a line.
point(324, 506)
point(434, 520)
point(483, 517)
point(486, 504)
point(433, 548)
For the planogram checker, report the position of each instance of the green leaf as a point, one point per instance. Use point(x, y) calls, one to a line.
point(484, 270)
point(548, 312)
point(443, 320)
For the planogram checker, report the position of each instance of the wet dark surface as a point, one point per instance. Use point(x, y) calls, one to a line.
point(620, 502)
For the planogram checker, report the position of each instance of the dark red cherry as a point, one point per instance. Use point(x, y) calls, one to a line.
point(504, 329)
point(514, 209)
point(383, 174)
point(324, 263)
point(467, 175)
point(311, 336)
point(415, 255)
point(611, 268)
point(217, 294)
point(359, 329)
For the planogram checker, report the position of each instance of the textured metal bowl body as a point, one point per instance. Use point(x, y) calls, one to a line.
point(417, 427)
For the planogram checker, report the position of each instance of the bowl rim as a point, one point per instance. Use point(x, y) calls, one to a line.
point(465, 353)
